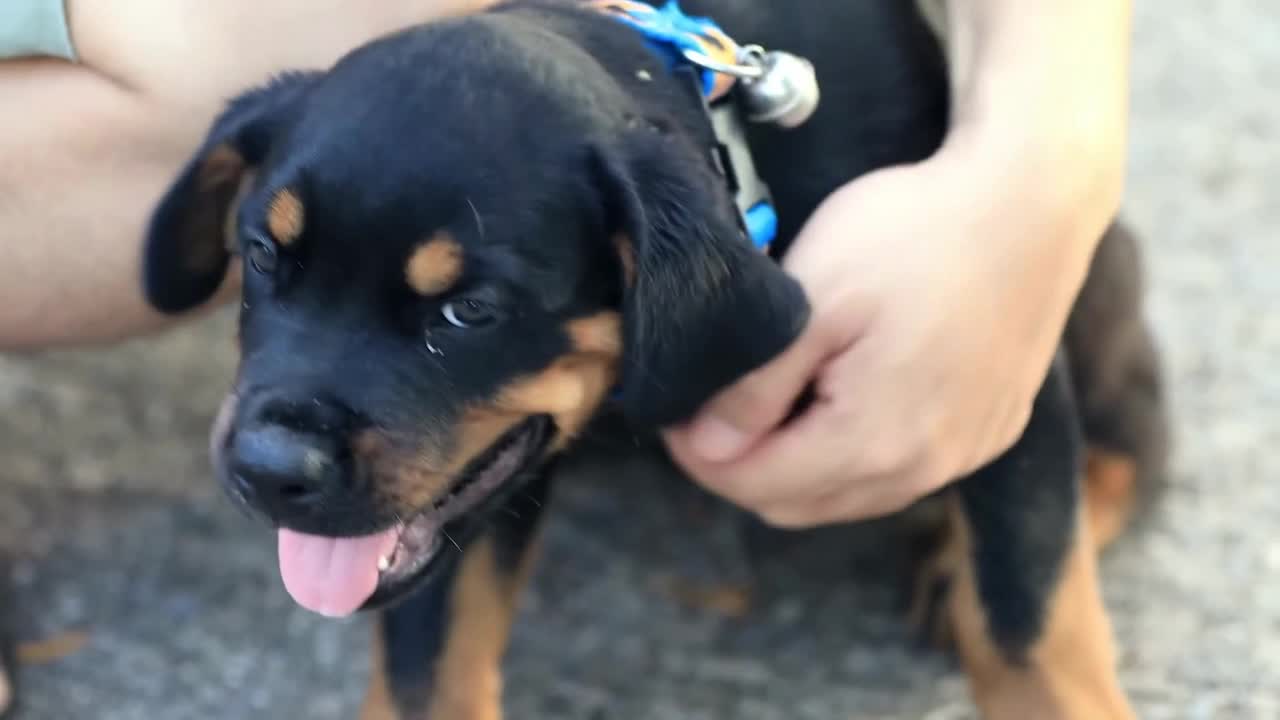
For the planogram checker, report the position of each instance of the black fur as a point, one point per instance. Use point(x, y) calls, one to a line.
point(530, 135)
point(1021, 512)
point(413, 637)
point(191, 215)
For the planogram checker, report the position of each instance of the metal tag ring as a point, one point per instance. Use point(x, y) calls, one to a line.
point(738, 70)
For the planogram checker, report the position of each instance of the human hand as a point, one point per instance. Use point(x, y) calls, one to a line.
point(940, 291)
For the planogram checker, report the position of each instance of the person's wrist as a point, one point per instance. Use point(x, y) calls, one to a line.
point(1037, 116)
point(1047, 183)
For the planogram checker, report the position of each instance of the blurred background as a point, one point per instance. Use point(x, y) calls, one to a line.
point(132, 590)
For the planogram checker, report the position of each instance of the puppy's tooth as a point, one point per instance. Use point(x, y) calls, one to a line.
point(384, 562)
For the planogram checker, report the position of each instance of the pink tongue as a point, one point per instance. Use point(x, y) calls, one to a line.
point(332, 576)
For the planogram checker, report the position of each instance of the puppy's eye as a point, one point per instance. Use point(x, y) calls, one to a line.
point(262, 255)
point(467, 313)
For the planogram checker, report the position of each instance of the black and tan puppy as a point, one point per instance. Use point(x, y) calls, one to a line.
point(458, 242)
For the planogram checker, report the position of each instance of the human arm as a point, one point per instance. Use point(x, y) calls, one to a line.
point(935, 321)
point(95, 142)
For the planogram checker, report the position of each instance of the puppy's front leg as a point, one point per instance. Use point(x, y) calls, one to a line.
point(1026, 607)
point(438, 654)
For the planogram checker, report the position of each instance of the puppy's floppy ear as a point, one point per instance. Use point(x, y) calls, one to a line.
point(186, 256)
point(703, 306)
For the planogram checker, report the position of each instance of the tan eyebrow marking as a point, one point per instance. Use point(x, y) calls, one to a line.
point(435, 265)
point(285, 217)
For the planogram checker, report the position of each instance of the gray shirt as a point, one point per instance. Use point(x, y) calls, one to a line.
point(30, 28)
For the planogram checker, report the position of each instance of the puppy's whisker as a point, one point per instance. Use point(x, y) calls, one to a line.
point(479, 220)
point(450, 537)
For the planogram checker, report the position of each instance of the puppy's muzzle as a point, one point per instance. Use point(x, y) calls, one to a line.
point(288, 456)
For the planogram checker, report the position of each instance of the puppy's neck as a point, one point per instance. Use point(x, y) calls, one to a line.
point(665, 97)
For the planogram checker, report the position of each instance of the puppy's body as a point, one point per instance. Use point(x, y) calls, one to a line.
point(463, 237)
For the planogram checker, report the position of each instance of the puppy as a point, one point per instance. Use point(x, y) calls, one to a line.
point(464, 242)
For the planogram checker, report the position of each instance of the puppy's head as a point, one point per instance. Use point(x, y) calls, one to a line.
point(448, 265)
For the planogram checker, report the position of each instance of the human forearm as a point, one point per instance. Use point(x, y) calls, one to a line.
point(1041, 86)
point(92, 146)
point(83, 162)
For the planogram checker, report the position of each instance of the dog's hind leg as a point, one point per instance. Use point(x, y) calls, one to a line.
point(1023, 606)
point(1115, 369)
point(438, 654)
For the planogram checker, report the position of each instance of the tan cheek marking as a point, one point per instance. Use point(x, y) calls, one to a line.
point(575, 385)
point(410, 478)
point(285, 217)
point(480, 428)
point(405, 479)
point(570, 390)
point(435, 265)
point(600, 333)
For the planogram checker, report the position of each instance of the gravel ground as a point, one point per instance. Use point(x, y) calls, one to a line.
point(138, 593)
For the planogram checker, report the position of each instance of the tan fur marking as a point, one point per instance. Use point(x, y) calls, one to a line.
point(574, 386)
point(378, 703)
point(1111, 486)
point(597, 334)
point(626, 256)
point(222, 165)
point(406, 477)
point(1071, 674)
point(285, 217)
point(571, 389)
point(435, 265)
point(468, 681)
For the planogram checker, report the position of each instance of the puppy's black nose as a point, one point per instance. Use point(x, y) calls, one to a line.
point(290, 459)
point(284, 472)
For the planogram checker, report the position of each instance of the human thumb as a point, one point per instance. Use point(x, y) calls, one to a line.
point(740, 415)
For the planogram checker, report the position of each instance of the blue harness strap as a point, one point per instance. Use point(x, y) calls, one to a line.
point(672, 34)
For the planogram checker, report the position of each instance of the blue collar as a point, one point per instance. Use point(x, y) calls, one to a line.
point(698, 44)
point(672, 33)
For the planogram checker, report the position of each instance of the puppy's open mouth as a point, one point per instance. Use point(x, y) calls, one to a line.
point(338, 576)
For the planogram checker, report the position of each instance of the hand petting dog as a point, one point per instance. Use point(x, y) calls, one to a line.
point(940, 290)
point(925, 356)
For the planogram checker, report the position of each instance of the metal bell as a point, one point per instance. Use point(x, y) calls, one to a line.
point(785, 92)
